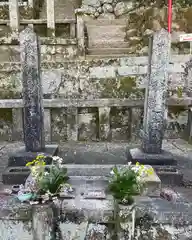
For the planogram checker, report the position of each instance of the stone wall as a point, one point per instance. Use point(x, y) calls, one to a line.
point(118, 78)
point(65, 76)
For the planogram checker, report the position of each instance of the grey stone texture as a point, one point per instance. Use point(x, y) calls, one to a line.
point(85, 80)
point(156, 92)
point(32, 91)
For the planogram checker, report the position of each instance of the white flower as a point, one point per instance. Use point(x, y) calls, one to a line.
point(46, 173)
point(112, 172)
point(56, 158)
point(129, 163)
point(33, 202)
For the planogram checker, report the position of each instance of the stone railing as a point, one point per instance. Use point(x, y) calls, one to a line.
point(15, 20)
point(103, 105)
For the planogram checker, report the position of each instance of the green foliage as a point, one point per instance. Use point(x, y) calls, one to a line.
point(47, 180)
point(53, 179)
point(124, 184)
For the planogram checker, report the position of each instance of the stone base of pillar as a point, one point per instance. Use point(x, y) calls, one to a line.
point(164, 164)
point(137, 155)
point(21, 157)
point(16, 172)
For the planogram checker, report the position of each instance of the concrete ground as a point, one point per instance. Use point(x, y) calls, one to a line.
point(111, 153)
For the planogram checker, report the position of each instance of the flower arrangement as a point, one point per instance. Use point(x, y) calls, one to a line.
point(127, 182)
point(45, 182)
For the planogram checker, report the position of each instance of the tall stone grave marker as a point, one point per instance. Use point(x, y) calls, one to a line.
point(32, 91)
point(155, 105)
point(33, 112)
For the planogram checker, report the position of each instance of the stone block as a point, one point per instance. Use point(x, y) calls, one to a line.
point(88, 209)
point(15, 175)
point(16, 230)
point(13, 209)
point(137, 155)
point(153, 183)
point(102, 72)
point(71, 230)
point(21, 157)
point(130, 70)
point(169, 175)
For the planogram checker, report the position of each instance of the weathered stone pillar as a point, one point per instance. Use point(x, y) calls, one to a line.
point(155, 104)
point(14, 16)
point(51, 18)
point(33, 112)
point(32, 91)
point(80, 32)
point(155, 98)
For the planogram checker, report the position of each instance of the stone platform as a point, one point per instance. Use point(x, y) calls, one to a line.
point(20, 157)
point(16, 172)
point(85, 218)
point(164, 158)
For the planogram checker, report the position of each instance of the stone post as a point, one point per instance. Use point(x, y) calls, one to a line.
point(14, 16)
point(80, 32)
point(32, 91)
point(155, 104)
point(33, 113)
point(51, 18)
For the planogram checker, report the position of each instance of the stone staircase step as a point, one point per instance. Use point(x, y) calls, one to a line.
point(108, 51)
point(108, 44)
point(106, 32)
point(107, 22)
point(111, 56)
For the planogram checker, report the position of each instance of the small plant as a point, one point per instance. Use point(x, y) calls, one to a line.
point(128, 181)
point(45, 182)
point(179, 92)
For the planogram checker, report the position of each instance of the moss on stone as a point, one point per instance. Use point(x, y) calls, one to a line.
point(122, 87)
point(50, 32)
point(176, 110)
point(6, 115)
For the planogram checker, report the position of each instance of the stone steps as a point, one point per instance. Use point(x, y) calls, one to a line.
point(108, 43)
point(108, 51)
point(106, 33)
point(91, 57)
point(107, 22)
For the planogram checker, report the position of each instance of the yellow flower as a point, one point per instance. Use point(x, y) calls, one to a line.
point(150, 171)
point(29, 164)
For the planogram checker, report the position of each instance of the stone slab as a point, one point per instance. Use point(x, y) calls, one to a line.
point(73, 231)
point(169, 175)
point(13, 209)
point(94, 210)
point(94, 194)
point(153, 183)
point(15, 175)
point(165, 212)
point(16, 230)
point(21, 157)
point(137, 155)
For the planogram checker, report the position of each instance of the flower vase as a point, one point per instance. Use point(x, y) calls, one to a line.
point(125, 220)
